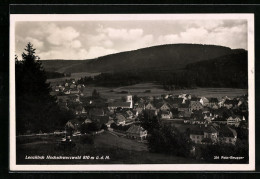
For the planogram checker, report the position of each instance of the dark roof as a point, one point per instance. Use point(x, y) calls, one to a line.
point(195, 99)
point(213, 100)
point(233, 102)
point(195, 103)
point(210, 129)
point(225, 131)
point(159, 105)
point(185, 105)
point(135, 129)
point(176, 101)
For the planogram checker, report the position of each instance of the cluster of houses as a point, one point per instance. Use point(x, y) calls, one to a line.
point(210, 119)
point(68, 87)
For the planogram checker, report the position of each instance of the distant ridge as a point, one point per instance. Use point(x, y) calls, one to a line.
point(163, 57)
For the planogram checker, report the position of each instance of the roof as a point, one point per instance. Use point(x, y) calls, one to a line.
point(195, 99)
point(120, 118)
point(233, 102)
point(159, 105)
point(185, 105)
point(135, 129)
point(176, 101)
point(225, 131)
point(210, 129)
point(213, 100)
point(195, 103)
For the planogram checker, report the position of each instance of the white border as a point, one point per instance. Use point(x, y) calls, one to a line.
point(135, 167)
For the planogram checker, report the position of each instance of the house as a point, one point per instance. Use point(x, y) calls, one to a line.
point(243, 107)
point(162, 106)
point(195, 105)
point(230, 103)
point(152, 112)
point(184, 114)
point(176, 102)
point(139, 108)
point(197, 118)
point(213, 103)
point(166, 115)
point(136, 132)
point(204, 101)
point(150, 106)
point(227, 135)
point(129, 114)
point(234, 120)
point(196, 135)
point(204, 134)
point(120, 119)
point(184, 107)
point(211, 133)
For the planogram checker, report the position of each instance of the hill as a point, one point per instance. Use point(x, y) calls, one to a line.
point(225, 71)
point(164, 57)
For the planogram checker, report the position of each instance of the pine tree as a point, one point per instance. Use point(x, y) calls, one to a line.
point(36, 109)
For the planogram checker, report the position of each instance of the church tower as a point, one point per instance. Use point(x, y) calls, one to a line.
point(129, 99)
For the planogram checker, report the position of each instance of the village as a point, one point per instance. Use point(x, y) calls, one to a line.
point(208, 120)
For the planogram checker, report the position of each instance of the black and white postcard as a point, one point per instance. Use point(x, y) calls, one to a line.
point(132, 92)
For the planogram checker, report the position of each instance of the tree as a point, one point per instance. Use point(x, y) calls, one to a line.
point(36, 109)
point(169, 140)
point(95, 94)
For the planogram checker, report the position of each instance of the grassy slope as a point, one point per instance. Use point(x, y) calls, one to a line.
point(119, 149)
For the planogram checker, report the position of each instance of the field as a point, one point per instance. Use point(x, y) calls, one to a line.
point(156, 90)
point(119, 149)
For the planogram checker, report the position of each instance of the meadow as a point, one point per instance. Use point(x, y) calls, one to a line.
point(156, 90)
point(119, 149)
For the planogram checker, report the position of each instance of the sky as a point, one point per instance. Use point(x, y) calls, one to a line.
point(91, 39)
